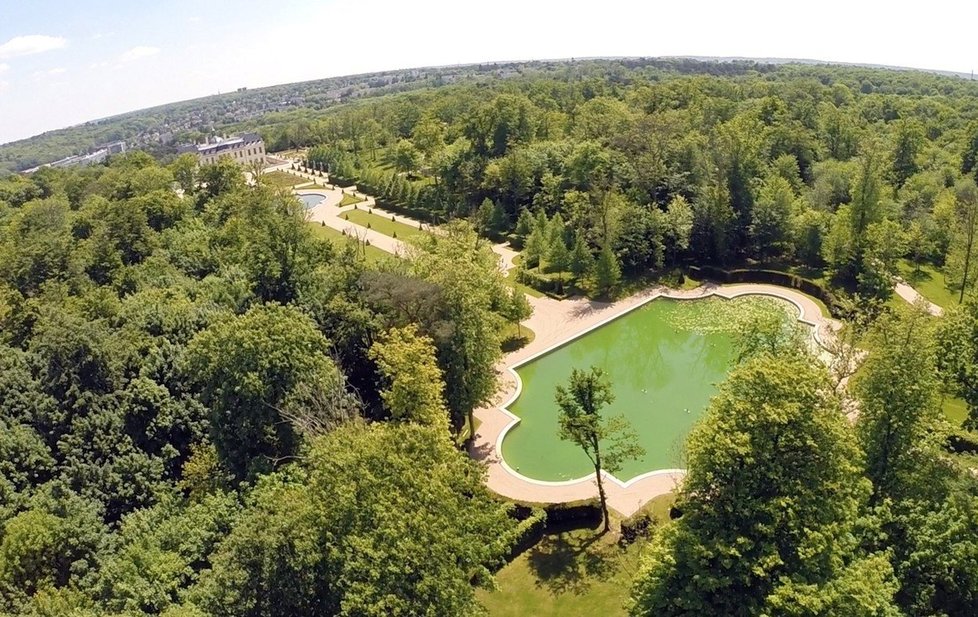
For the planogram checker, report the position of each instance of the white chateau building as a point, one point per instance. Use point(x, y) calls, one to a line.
point(244, 149)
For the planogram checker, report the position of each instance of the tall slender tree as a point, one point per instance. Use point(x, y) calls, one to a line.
point(964, 249)
point(607, 442)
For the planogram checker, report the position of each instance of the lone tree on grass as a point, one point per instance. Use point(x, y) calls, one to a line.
point(516, 308)
point(607, 442)
point(607, 273)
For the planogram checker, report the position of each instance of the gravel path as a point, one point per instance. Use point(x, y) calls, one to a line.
point(912, 296)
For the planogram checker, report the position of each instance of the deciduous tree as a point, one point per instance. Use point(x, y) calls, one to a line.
point(607, 442)
point(413, 382)
point(963, 258)
point(769, 507)
point(332, 539)
point(467, 272)
point(245, 368)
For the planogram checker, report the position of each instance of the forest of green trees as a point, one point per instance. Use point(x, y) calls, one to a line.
point(838, 172)
point(206, 409)
point(182, 376)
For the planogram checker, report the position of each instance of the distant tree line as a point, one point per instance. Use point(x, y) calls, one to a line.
point(837, 171)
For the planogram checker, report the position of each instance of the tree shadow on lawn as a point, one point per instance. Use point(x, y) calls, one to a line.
point(514, 342)
point(568, 562)
point(915, 277)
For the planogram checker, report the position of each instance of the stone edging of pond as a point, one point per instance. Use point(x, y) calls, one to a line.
point(556, 323)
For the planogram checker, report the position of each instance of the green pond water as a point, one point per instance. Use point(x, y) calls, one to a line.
point(663, 376)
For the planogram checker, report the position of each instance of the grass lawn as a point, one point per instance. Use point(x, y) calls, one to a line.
point(575, 572)
point(349, 200)
point(291, 154)
point(929, 283)
point(281, 179)
point(512, 282)
point(514, 337)
point(955, 409)
point(382, 224)
point(371, 253)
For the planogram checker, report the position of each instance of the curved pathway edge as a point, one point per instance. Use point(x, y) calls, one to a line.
point(556, 324)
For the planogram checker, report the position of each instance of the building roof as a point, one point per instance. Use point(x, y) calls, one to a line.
point(221, 146)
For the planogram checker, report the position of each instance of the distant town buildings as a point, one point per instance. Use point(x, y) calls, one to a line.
point(115, 147)
point(83, 160)
point(244, 149)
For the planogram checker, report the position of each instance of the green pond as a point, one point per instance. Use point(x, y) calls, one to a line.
point(663, 374)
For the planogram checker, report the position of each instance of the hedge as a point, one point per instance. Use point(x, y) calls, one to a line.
point(585, 511)
point(536, 519)
point(537, 281)
point(415, 213)
point(529, 531)
point(547, 283)
point(640, 524)
point(515, 241)
point(773, 277)
point(637, 525)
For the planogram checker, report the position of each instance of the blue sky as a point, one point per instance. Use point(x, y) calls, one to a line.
point(62, 63)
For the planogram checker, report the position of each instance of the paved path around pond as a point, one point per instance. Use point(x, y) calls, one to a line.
point(556, 322)
point(912, 296)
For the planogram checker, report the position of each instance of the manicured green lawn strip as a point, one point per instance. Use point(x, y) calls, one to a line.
point(955, 409)
point(372, 253)
point(929, 282)
point(570, 573)
point(281, 179)
point(575, 572)
point(382, 224)
point(349, 200)
point(514, 337)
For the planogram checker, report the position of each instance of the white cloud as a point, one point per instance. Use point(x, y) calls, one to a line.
point(194, 19)
point(139, 52)
point(55, 71)
point(31, 44)
point(4, 67)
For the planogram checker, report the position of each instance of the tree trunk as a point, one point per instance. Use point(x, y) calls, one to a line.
point(967, 261)
point(601, 496)
point(471, 425)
